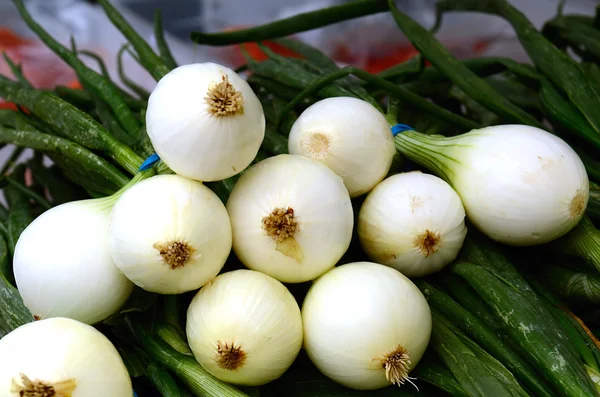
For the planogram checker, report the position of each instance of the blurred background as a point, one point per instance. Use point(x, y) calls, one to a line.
point(372, 43)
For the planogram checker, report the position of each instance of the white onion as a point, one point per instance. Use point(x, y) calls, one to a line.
point(349, 136)
point(413, 222)
point(63, 267)
point(169, 234)
point(520, 185)
point(205, 122)
point(244, 327)
point(291, 218)
point(366, 326)
point(61, 357)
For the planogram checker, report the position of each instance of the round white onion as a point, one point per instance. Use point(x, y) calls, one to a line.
point(61, 357)
point(205, 122)
point(291, 218)
point(244, 327)
point(349, 136)
point(366, 326)
point(520, 185)
point(169, 234)
point(63, 267)
point(413, 222)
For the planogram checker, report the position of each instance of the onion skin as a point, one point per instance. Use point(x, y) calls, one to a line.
point(245, 328)
point(63, 267)
point(162, 212)
point(350, 137)
point(357, 313)
point(61, 350)
point(320, 204)
point(413, 222)
point(520, 185)
point(196, 143)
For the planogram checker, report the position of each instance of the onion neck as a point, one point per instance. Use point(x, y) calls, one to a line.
point(25, 387)
point(583, 241)
point(109, 201)
point(430, 151)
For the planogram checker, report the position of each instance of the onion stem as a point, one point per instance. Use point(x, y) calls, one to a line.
point(296, 24)
point(70, 121)
point(428, 151)
point(172, 335)
point(390, 87)
point(28, 192)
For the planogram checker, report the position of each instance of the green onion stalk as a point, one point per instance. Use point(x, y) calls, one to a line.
point(593, 208)
point(583, 242)
point(571, 284)
point(526, 317)
point(185, 367)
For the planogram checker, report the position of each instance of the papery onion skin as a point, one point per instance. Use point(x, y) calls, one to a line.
point(61, 349)
point(355, 314)
point(252, 313)
point(413, 222)
point(349, 136)
point(191, 140)
point(159, 211)
point(63, 267)
point(320, 203)
point(520, 185)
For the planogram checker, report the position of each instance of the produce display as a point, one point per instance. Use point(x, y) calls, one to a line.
point(297, 228)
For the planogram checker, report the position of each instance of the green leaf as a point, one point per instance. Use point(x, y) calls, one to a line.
point(463, 77)
point(556, 65)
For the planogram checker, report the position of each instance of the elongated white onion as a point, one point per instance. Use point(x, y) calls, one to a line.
point(520, 185)
point(366, 326)
point(413, 222)
point(291, 218)
point(349, 136)
point(169, 234)
point(205, 122)
point(61, 357)
point(63, 267)
point(244, 327)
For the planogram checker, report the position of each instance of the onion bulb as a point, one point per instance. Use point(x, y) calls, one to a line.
point(413, 222)
point(291, 218)
point(349, 136)
point(61, 357)
point(169, 234)
point(205, 122)
point(366, 326)
point(520, 185)
point(63, 267)
point(245, 328)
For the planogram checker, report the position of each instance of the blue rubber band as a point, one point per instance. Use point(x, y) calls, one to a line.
point(134, 395)
point(149, 162)
point(398, 128)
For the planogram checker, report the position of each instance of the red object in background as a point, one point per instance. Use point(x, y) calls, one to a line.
point(42, 68)
point(375, 63)
point(9, 40)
